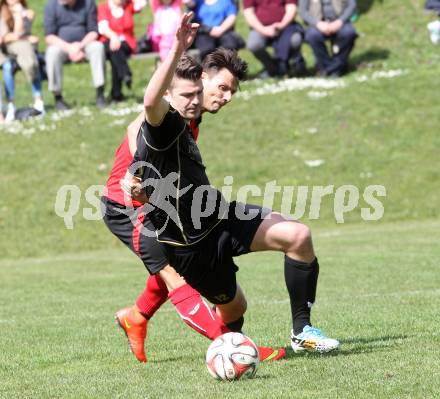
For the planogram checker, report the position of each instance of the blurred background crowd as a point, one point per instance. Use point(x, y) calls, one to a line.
point(80, 30)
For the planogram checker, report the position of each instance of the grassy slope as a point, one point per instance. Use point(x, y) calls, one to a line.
point(385, 129)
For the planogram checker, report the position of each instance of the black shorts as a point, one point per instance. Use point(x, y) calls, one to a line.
point(135, 230)
point(208, 266)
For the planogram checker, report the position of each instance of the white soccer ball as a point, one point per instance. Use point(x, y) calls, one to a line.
point(232, 356)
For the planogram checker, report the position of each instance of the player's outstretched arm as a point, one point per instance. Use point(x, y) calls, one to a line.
point(155, 105)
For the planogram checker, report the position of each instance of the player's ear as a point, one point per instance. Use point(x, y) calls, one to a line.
point(204, 75)
point(167, 95)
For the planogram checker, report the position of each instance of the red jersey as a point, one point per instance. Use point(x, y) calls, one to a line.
point(268, 11)
point(123, 160)
point(123, 26)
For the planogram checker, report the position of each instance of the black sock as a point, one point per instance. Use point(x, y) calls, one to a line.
point(301, 280)
point(58, 96)
point(237, 325)
point(100, 91)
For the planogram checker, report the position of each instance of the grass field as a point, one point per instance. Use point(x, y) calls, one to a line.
point(379, 293)
point(379, 282)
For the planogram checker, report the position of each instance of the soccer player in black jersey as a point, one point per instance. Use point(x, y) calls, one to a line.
point(200, 230)
point(222, 72)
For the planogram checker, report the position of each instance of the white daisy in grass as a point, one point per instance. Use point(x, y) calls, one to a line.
point(314, 163)
point(118, 122)
point(318, 94)
point(392, 73)
point(122, 111)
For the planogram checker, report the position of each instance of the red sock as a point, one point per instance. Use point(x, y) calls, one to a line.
point(153, 297)
point(195, 312)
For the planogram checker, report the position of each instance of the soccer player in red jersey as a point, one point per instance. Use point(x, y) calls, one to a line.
point(223, 70)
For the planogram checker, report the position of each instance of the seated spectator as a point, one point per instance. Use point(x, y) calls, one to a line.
point(433, 5)
point(116, 25)
point(217, 20)
point(329, 20)
point(15, 30)
point(2, 61)
point(272, 22)
point(71, 31)
point(167, 14)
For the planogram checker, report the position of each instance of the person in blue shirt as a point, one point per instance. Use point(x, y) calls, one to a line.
point(217, 20)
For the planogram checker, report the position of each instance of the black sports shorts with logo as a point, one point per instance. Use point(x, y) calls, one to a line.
point(135, 230)
point(208, 265)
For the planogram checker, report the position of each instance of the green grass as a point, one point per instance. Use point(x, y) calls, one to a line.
point(382, 131)
point(379, 282)
point(378, 293)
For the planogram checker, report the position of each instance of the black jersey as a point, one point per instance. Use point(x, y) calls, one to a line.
point(183, 206)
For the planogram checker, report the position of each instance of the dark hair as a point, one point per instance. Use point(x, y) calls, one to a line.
point(225, 58)
point(6, 14)
point(188, 68)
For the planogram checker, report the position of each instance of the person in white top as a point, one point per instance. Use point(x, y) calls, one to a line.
point(15, 30)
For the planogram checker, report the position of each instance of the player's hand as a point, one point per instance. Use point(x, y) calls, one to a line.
point(133, 189)
point(186, 32)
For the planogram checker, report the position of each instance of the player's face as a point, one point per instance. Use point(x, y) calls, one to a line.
point(218, 89)
point(186, 97)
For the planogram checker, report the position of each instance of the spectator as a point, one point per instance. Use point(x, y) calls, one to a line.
point(273, 22)
point(15, 30)
point(329, 20)
point(217, 20)
point(2, 62)
point(116, 25)
point(433, 5)
point(167, 14)
point(71, 35)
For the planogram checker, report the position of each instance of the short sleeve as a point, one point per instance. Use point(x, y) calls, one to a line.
point(231, 8)
point(50, 25)
point(162, 137)
point(249, 3)
point(103, 12)
point(92, 23)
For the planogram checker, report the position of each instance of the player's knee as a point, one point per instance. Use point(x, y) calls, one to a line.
point(242, 306)
point(240, 302)
point(233, 310)
point(300, 239)
point(171, 278)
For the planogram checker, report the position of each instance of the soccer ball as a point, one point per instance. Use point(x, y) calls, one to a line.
point(232, 356)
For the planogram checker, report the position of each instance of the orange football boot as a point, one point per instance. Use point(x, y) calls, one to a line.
point(267, 353)
point(135, 332)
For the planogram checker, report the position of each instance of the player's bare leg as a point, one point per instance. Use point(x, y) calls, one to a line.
point(232, 314)
point(301, 271)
